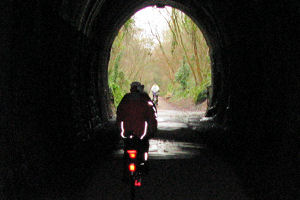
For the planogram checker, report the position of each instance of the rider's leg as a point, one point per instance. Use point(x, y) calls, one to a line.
point(146, 155)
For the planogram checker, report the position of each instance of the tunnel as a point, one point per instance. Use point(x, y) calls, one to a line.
point(55, 111)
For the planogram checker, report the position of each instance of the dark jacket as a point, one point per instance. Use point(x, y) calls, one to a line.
point(136, 113)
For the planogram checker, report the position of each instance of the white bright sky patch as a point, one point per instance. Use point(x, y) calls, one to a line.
point(153, 16)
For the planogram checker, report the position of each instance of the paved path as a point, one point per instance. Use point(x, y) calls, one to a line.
point(180, 169)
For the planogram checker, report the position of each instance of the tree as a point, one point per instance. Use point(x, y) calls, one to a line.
point(180, 55)
point(182, 75)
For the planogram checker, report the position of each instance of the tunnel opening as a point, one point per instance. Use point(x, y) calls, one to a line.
point(99, 35)
point(169, 50)
point(55, 88)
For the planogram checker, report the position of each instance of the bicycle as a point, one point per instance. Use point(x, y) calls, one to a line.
point(134, 163)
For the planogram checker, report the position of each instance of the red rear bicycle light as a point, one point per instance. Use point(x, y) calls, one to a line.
point(132, 167)
point(137, 183)
point(132, 153)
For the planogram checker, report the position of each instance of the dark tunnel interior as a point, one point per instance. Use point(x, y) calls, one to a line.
point(55, 103)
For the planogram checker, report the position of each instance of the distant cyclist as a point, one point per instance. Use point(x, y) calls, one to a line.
point(155, 92)
point(146, 96)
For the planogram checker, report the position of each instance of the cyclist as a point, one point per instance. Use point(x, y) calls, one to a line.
point(135, 114)
point(155, 91)
point(147, 98)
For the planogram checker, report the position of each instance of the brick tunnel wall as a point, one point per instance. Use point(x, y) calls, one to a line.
point(52, 92)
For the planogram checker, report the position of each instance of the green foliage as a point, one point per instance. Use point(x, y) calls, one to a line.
point(116, 68)
point(184, 50)
point(197, 93)
point(174, 43)
point(118, 93)
point(118, 84)
point(116, 81)
point(129, 24)
point(188, 24)
point(182, 75)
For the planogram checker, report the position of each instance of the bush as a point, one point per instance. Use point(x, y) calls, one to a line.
point(202, 96)
point(117, 92)
point(197, 93)
point(182, 75)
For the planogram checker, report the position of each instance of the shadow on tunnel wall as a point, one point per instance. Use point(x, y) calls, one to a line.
point(53, 101)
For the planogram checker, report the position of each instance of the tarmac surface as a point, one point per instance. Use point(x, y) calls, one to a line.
point(181, 167)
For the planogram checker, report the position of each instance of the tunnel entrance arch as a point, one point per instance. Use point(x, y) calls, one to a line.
point(104, 30)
